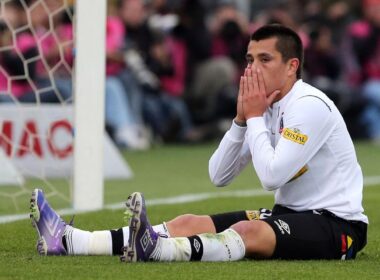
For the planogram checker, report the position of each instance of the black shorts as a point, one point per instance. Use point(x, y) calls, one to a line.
point(308, 235)
point(225, 220)
point(304, 235)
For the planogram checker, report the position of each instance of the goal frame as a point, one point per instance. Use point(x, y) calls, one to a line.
point(89, 104)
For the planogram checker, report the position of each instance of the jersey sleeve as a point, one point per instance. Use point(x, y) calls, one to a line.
point(307, 125)
point(230, 157)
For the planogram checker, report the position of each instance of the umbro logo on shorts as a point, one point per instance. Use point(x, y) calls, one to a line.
point(284, 227)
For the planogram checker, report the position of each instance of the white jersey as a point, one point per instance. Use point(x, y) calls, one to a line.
point(301, 150)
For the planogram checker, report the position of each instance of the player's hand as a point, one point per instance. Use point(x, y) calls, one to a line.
point(240, 119)
point(255, 99)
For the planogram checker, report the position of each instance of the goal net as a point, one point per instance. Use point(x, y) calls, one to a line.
point(50, 137)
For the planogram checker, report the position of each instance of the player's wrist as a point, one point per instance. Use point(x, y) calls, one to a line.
point(240, 122)
point(255, 115)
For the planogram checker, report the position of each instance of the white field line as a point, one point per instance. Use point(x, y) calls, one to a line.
point(185, 198)
point(371, 181)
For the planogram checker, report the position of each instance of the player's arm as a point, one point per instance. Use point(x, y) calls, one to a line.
point(232, 154)
point(230, 157)
point(308, 124)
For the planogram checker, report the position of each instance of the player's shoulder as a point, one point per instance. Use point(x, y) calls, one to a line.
point(310, 97)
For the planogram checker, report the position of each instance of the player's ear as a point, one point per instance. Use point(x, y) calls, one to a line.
point(293, 65)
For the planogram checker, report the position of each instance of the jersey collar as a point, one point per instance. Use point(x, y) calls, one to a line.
point(283, 101)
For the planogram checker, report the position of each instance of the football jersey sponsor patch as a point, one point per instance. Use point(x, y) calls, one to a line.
point(294, 135)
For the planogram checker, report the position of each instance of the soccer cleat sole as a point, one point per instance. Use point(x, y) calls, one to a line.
point(34, 211)
point(34, 218)
point(135, 207)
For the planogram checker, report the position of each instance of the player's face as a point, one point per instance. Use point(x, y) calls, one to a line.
point(264, 55)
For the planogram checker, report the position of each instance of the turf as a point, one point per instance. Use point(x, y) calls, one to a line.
point(169, 171)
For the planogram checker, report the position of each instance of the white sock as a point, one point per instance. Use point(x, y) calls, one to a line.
point(125, 235)
point(162, 230)
point(80, 242)
point(224, 246)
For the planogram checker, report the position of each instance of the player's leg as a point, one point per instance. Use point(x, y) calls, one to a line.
point(146, 244)
point(190, 224)
point(258, 237)
point(66, 239)
point(244, 239)
point(56, 237)
point(100, 242)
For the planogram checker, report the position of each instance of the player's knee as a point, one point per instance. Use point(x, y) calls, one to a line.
point(258, 237)
point(247, 228)
point(182, 225)
point(187, 219)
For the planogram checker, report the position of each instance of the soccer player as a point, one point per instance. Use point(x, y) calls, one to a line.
point(300, 148)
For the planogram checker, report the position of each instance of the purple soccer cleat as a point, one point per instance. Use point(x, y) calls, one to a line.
point(48, 224)
point(142, 237)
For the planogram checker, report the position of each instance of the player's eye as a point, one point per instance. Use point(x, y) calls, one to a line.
point(249, 59)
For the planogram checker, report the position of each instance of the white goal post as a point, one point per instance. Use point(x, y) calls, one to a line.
point(89, 98)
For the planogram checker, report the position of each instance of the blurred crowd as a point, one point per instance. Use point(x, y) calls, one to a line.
point(173, 67)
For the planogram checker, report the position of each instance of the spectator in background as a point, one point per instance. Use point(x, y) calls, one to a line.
point(160, 15)
point(323, 70)
point(230, 37)
point(54, 66)
point(158, 64)
point(48, 78)
point(361, 61)
point(49, 72)
point(124, 119)
point(41, 83)
point(230, 34)
point(16, 84)
point(285, 13)
point(124, 123)
point(325, 76)
point(338, 16)
point(206, 77)
point(321, 50)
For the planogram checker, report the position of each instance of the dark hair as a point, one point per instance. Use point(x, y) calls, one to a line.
point(289, 44)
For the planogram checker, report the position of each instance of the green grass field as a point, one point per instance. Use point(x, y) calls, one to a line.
point(170, 171)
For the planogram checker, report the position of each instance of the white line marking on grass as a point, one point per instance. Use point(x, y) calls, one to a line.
point(371, 181)
point(185, 198)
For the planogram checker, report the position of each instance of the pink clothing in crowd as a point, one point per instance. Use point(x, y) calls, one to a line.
point(115, 33)
point(51, 45)
point(175, 85)
point(18, 87)
point(371, 67)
